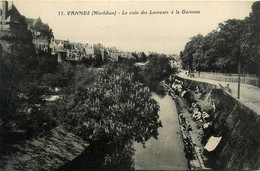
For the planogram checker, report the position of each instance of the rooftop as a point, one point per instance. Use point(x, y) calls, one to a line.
point(48, 152)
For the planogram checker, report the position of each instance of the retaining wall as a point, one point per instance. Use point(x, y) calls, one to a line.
point(238, 125)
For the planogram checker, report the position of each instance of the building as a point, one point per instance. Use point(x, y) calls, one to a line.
point(89, 49)
point(127, 55)
point(99, 49)
point(60, 44)
point(113, 54)
point(71, 51)
point(41, 33)
point(10, 18)
point(60, 48)
point(13, 31)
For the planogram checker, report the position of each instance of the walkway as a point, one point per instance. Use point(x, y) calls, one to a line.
point(166, 153)
point(249, 95)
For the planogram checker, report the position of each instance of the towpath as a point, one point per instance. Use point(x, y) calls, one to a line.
point(249, 95)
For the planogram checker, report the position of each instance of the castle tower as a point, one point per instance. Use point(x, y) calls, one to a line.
point(13, 30)
point(4, 11)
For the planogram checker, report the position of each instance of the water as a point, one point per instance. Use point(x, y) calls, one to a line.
point(166, 153)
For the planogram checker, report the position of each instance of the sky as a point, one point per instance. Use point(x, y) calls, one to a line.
point(164, 33)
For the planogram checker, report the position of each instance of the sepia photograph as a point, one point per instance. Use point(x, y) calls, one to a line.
point(120, 85)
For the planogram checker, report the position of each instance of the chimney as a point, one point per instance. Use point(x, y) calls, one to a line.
point(4, 10)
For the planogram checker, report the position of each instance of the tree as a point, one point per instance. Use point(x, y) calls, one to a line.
point(11, 74)
point(143, 57)
point(250, 47)
point(21, 95)
point(156, 70)
point(208, 62)
point(98, 61)
point(230, 43)
point(236, 41)
point(192, 53)
point(113, 111)
point(135, 56)
point(61, 78)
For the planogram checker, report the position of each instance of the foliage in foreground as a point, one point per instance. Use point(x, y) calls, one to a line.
point(23, 112)
point(113, 111)
point(110, 107)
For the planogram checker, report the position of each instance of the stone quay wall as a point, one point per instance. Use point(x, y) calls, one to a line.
point(238, 125)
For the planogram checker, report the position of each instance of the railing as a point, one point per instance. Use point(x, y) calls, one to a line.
point(245, 78)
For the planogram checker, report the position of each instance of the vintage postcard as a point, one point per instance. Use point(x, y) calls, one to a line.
point(120, 85)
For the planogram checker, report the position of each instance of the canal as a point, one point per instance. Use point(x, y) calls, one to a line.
point(165, 153)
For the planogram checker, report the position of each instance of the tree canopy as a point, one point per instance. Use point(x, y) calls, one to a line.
point(221, 49)
point(112, 110)
point(157, 69)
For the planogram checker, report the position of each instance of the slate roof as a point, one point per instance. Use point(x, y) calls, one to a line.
point(48, 152)
point(37, 23)
point(29, 21)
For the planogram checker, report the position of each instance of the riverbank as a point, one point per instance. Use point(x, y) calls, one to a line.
point(190, 134)
point(218, 121)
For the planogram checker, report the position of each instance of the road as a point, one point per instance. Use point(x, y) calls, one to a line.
point(166, 153)
point(249, 95)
